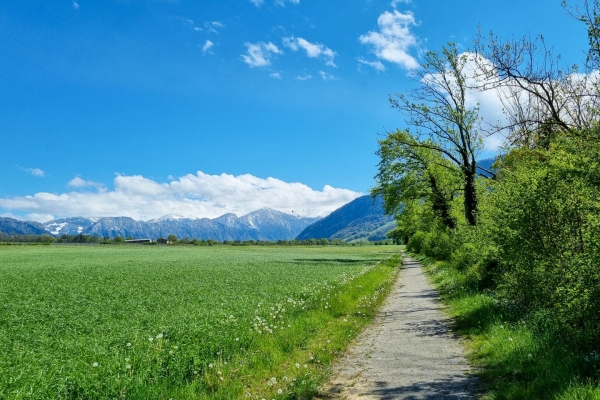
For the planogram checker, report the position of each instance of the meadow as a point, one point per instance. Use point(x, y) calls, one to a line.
point(179, 322)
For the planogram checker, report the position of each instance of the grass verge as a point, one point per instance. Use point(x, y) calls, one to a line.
point(517, 356)
point(294, 363)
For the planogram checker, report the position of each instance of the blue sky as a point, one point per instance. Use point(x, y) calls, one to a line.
point(148, 107)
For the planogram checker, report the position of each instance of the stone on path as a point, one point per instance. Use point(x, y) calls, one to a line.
point(409, 351)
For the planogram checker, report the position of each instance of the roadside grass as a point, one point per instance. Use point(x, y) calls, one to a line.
point(516, 356)
point(182, 323)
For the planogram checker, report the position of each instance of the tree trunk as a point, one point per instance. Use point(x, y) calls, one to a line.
point(470, 196)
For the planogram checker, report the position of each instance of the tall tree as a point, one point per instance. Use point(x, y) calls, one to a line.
point(442, 119)
point(409, 173)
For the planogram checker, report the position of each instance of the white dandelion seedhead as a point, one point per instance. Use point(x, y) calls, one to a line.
point(297, 365)
point(210, 365)
point(279, 391)
point(150, 338)
point(128, 344)
point(128, 366)
point(159, 336)
point(274, 380)
point(94, 364)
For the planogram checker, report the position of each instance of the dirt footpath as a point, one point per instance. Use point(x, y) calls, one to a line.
point(408, 353)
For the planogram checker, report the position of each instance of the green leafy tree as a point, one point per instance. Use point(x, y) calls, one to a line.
point(409, 172)
point(172, 238)
point(443, 122)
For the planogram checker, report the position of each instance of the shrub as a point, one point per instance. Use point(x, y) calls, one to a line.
point(415, 243)
point(437, 245)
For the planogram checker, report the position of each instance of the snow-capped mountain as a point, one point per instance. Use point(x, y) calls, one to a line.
point(69, 226)
point(263, 224)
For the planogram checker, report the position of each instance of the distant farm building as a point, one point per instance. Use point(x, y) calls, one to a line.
point(137, 241)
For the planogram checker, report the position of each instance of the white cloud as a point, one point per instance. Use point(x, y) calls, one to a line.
point(259, 54)
point(207, 46)
point(257, 3)
point(78, 182)
point(394, 3)
point(213, 26)
point(192, 195)
point(376, 65)
point(275, 75)
point(208, 26)
point(326, 76)
point(76, 5)
point(313, 50)
point(394, 39)
point(282, 2)
point(36, 172)
point(304, 77)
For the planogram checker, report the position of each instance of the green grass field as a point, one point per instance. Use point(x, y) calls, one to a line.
point(146, 322)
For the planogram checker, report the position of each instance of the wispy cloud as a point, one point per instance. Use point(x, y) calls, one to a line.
point(396, 2)
point(313, 50)
point(213, 26)
point(259, 54)
point(207, 26)
point(282, 2)
point(394, 39)
point(376, 65)
point(193, 195)
point(36, 172)
point(207, 46)
point(304, 77)
point(326, 76)
point(76, 5)
point(275, 75)
point(78, 182)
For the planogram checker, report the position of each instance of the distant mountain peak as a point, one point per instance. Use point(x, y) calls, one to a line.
point(169, 217)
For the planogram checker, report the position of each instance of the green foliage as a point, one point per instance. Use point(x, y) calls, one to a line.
point(437, 244)
point(547, 228)
point(415, 243)
point(145, 322)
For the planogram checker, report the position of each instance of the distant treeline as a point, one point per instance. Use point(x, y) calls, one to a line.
point(170, 240)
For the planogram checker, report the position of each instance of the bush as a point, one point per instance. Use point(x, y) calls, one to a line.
point(415, 243)
point(437, 245)
point(547, 230)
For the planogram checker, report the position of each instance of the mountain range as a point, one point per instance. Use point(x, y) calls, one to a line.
point(361, 219)
point(263, 224)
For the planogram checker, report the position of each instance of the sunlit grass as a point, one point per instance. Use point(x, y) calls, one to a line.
point(177, 322)
point(517, 356)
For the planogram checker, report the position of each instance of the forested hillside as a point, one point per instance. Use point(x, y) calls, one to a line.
point(361, 219)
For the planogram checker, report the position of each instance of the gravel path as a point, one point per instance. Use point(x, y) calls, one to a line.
point(408, 353)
